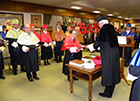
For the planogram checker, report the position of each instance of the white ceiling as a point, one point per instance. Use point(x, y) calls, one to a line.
point(125, 8)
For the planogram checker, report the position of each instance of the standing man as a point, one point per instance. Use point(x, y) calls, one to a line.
point(28, 44)
point(128, 52)
point(109, 48)
point(8, 26)
point(15, 53)
point(58, 36)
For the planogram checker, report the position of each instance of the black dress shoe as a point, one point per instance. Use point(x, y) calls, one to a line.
point(104, 95)
point(2, 77)
point(75, 78)
point(48, 63)
point(15, 73)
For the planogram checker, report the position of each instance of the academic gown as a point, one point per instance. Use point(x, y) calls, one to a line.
point(37, 35)
point(128, 50)
point(46, 52)
point(31, 57)
point(68, 43)
point(1, 56)
point(107, 41)
point(15, 53)
point(3, 35)
point(134, 70)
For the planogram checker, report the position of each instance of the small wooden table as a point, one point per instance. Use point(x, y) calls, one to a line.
point(88, 75)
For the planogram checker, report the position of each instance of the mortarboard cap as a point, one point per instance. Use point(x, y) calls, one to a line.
point(14, 21)
point(102, 17)
point(128, 25)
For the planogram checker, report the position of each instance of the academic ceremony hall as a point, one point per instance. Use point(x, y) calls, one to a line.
point(69, 50)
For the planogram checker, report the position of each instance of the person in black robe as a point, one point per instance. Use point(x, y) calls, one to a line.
point(46, 49)
point(70, 42)
point(28, 44)
point(15, 53)
point(109, 48)
point(1, 59)
point(133, 75)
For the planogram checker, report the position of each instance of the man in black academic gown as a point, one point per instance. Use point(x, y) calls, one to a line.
point(109, 48)
point(15, 53)
point(134, 75)
point(1, 58)
point(28, 44)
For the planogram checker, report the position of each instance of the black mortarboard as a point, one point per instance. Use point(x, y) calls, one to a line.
point(102, 17)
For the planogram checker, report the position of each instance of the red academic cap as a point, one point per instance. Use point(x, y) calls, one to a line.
point(32, 25)
point(44, 26)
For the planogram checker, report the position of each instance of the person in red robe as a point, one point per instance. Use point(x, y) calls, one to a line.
point(46, 41)
point(72, 48)
point(32, 26)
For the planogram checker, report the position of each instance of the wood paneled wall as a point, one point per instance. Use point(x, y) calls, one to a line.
point(9, 5)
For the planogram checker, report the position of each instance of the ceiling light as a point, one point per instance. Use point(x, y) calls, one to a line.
point(96, 11)
point(126, 18)
point(76, 7)
point(119, 16)
point(110, 14)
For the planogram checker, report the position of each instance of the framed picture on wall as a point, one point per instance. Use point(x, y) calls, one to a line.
point(10, 16)
point(36, 20)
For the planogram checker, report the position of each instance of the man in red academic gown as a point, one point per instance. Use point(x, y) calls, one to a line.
point(72, 48)
point(32, 26)
point(46, 49)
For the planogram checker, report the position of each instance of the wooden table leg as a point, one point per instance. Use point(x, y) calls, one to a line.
point(90, 87)
point(71, 81)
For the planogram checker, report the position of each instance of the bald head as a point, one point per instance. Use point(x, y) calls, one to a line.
point(27, 28)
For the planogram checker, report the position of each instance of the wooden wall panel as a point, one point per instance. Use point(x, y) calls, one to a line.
point(36, 8)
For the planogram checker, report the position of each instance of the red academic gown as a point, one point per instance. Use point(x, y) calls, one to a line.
point(37, 35)
point(68, 43)
point(46, 52)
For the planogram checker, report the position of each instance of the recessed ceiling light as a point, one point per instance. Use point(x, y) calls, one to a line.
point(110, 14)
point(126, 18)
point(119, 16)
point(96, 11)
point(76, 7)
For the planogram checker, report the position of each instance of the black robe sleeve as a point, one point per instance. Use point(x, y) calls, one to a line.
point(134, 70)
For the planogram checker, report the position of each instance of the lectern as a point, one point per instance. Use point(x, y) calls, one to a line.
point(125, 41)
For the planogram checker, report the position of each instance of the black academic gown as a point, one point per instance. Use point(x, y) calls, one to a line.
point(46, 52)
point(107, 41)
point(15, 53)
point(30, 59)
point(68, 57)
point(1, 57)
point(135, 89)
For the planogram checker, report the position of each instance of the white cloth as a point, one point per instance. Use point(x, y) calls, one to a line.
point(45, 44)
point(2, 48)
point(58, 30)
point(50, 44)
point(54, 42)
point(45, 32)
point(131, 77)
point(90, 47)
point(1, 28)
point(73, 49)
point(24, 48)
point(14, 44)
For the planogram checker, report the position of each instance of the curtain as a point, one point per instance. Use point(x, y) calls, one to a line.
point(47, 19)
